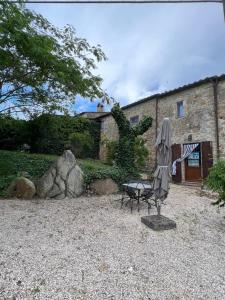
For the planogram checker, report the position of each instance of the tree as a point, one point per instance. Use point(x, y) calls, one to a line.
point(125, 156)
point(42, 67)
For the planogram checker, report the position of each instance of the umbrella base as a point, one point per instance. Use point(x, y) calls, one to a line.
point(158, 223)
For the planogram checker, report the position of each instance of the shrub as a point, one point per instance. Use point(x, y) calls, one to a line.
point(111, 150)
point(51, 133)
point(96, 170)
point(81, 144)
point(13, 133)
point(216, 181)
point(140, 151)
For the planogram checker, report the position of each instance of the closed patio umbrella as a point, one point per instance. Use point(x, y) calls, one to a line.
point(162, 173)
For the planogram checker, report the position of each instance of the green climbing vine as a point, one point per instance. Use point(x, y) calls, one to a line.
point(125, 155)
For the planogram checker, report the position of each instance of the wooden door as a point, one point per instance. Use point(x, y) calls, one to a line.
point(193, 165)
point(176, 153)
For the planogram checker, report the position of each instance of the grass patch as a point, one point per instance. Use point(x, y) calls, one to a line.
point(13, 163)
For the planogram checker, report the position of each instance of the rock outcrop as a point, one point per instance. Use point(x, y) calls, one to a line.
point(22, 188)
point(104, 186)
point(63, 179)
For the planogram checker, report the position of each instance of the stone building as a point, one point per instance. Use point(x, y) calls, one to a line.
point(197, 113)
point(94, 115)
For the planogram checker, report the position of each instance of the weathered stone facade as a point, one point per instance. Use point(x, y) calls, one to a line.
point(197, 125)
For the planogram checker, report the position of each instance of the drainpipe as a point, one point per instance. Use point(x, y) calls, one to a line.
point(215, 102)
point(156, 124)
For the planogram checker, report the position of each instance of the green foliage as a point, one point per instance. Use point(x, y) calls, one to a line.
point(81, 144)
point(216, 181)
point(125, 157)
point(13, 133)
point(13, 163)
point(42, 67)
point(111, 150)
point(47, 133)
point(96, 170)
point(51, 134)
point(141, 152)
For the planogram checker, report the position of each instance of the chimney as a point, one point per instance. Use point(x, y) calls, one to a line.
point(100, 107)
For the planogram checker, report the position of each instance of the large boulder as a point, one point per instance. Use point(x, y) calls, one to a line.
point(22, 188)
point(63, 179)
point(104, 186)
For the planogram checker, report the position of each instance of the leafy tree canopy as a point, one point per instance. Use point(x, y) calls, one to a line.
point(42, 67)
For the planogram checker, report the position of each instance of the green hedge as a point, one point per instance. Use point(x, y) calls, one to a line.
point(49, 134)
point(13, 133)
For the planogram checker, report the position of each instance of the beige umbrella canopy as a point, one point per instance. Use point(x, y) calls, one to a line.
point(162, 175)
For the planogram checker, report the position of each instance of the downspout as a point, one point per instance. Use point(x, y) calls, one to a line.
point(156, 124)
point(215, 102)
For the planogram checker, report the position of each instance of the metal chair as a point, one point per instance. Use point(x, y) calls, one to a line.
point(132, 195)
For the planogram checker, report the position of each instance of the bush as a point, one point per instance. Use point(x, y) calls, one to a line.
point(13, 133)
point(81, 144)
point(216, 181)
point(111, 150)
point(51, 134)
point(96, 170)
point(140, 151)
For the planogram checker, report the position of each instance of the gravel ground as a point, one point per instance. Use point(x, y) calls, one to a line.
point(88, 248)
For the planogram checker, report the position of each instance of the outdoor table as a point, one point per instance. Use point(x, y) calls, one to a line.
point(139, 187)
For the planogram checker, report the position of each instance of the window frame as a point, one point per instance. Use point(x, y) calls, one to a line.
point(134, 123)
point(180, 116)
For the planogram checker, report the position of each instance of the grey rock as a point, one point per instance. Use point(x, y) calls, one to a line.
point(104, 186)
point(63, 179)
point(22, 188)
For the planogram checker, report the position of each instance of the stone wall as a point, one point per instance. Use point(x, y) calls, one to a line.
point(221, 118)
point(198, 121)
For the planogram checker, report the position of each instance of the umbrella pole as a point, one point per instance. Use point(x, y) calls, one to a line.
point(158, 206)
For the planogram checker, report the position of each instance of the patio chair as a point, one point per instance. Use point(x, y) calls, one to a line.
point(132, 195)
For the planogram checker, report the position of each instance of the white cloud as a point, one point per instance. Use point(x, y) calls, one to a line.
point(150, 48)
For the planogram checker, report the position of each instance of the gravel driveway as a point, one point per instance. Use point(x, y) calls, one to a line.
point(88, 248)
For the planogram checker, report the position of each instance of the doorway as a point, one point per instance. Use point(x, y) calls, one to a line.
point(193, 165)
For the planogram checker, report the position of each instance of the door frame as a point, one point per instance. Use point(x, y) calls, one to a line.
point(200, 161)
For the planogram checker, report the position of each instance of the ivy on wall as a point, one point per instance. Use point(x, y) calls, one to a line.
point(125, 156)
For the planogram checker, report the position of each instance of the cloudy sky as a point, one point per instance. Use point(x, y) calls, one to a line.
point(150, 48)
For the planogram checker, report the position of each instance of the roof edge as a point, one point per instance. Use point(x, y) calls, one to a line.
point(170, 92)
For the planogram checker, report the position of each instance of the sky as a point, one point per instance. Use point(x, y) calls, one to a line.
point(150, 48)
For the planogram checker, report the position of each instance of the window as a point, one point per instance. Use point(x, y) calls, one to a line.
point(134, 120)
point(194, 159)
point(180, 109)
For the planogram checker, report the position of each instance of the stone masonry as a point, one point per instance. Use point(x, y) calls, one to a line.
point(198, 121)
